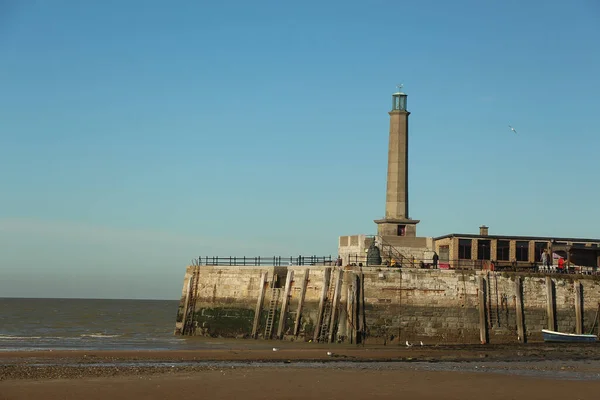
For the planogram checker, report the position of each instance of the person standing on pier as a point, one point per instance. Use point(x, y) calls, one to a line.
point(544, 258)
point(561, 265)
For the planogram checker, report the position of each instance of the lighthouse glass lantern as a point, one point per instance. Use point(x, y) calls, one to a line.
point(399, 101)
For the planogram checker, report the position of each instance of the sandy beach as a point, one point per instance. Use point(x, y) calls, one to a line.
point(272, 383)
point(451, 372)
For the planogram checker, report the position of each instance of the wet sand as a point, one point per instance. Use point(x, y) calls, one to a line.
point(271, 383)
point(440, 372)
point(241, 350)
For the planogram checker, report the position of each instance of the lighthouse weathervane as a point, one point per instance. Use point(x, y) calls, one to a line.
point(397, 221)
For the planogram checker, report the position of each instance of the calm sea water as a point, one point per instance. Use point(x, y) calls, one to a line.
point(85, 324)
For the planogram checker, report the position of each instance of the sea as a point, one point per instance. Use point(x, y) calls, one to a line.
point(92, 324)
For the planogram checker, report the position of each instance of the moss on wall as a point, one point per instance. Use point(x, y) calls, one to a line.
point(225, 322)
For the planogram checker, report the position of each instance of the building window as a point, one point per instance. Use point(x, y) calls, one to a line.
point(401, 230)
point(539, 249)
point(522, 251)
point(483, 249)
point(444, 253)
point(503, 250)
point(464, 249)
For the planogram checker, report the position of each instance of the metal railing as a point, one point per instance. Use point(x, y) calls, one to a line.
point(389, 252)
point(474, 265)
point(274, 261)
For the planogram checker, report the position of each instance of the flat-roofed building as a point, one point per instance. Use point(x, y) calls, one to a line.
point(458, 250)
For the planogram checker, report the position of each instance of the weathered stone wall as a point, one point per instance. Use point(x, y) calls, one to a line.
point(383, 304)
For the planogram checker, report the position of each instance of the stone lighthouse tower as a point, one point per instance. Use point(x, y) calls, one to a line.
point(397, 222)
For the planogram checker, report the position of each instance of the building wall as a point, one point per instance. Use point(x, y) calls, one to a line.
point(452, 244)
point(399, 304)
point(417, 248)
point(353, 246)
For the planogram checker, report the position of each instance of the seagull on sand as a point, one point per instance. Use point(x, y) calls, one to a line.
point(408, 344)
point(512, 129)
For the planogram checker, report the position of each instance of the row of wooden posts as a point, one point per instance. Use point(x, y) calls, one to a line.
point(353, 306)
point(330, 292)
point(550, 310)
point(286, 295)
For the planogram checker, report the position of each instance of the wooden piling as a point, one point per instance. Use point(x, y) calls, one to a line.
point(488, 300)
point(284, 306)
point(186, 302)
point(353, 309)
point(482, 311)
point(578, 308)
point(363, 314)
point(519, 310)
point(349, 301)
point(550, 304)
point(326, 277)
point(335, 303)
point(259, 302)
point(356, 307)
point(598, 319)
point(301, 302)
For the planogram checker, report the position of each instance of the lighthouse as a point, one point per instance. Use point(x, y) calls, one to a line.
point(397, 221)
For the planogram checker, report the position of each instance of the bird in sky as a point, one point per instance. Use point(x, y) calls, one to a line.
point(512, 129)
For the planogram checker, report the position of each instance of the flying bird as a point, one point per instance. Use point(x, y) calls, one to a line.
point(512, 129)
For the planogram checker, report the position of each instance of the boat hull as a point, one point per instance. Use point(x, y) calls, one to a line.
point(552, 336)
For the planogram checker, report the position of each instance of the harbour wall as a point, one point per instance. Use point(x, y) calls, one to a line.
point(383, 305)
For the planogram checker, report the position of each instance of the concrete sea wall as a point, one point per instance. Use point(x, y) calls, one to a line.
point(353, 304)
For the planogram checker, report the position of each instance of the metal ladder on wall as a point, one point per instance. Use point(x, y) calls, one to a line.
point(188, 324)
point(272, 311)
point(494, 300)
point(327, 308)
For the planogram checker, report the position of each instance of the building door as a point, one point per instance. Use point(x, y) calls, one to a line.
point(444, 254)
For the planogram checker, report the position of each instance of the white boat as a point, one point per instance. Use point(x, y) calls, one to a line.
point(553, 336)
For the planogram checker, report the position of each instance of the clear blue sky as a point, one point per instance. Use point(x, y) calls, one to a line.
point(135, 135)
